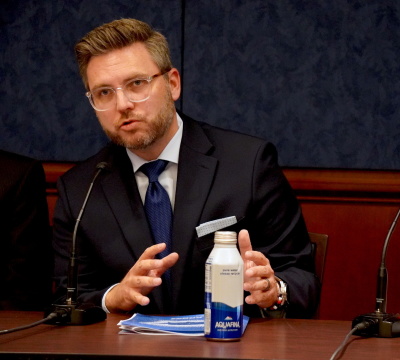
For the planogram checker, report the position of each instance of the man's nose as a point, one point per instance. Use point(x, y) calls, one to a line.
point(123, 102)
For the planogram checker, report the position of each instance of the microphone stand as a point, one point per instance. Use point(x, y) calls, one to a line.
point(72, 313)
point(381, 324)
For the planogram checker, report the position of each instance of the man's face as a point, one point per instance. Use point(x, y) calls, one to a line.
point(143, 127)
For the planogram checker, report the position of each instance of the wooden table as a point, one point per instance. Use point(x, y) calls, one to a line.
point(263, 339)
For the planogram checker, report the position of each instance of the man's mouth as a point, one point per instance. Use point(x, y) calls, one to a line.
point(128, 124)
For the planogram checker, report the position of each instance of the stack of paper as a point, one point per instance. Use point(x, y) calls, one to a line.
point(190, 325)
point(187, 325)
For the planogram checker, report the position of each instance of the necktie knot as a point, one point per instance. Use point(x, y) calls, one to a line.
point(153, 169)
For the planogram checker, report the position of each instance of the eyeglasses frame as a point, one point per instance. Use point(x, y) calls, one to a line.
point(148, 79)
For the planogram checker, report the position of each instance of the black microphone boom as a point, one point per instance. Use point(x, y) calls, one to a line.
point(382, 274)
point(380, 323)
point(70, 313)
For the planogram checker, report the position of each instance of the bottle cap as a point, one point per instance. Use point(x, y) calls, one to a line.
point(225, 237)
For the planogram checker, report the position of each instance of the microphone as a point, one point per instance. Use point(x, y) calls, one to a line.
point(72, 313)
point(380, 323)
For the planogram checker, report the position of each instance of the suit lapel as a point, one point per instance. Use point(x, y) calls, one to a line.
point(128, 213)
point(120, 189)
point(195, 174)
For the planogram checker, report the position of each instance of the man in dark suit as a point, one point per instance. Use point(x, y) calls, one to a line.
point(211, 174)
point(25, 258)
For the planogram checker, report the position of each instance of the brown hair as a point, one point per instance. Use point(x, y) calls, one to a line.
point(118, 34)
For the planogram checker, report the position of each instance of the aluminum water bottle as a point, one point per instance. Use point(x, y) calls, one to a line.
point(223, 313)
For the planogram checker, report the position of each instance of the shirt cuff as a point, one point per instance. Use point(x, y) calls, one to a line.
point(103, 300)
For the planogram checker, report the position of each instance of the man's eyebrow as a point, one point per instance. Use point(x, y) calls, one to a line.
point(131, 77)
point(136, 76)
point(101, 86)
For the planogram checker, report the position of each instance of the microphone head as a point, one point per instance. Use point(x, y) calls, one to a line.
point(103, 165)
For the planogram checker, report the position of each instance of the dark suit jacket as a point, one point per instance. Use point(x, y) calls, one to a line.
point(25, 257)
point(220, 174)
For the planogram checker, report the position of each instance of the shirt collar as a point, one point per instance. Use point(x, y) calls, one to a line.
point(170, 152)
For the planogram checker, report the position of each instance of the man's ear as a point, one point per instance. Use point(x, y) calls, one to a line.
point(175, 83)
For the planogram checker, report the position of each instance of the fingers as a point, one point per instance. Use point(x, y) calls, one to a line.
point(133, 296)
point(244, 247)
point(262, 285)
point(244, 241)
point(259, 275)
point(142, 281)
point(143, 276)
point(152, 251)
point(259, 279)
point(260, 268)
point(147, 264)
point(263, 292)
point(261, 271)
point(124, 298)
point(256, 257)
point(166, 263)
point(170, 260)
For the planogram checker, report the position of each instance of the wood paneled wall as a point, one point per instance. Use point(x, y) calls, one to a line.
point(355, 209)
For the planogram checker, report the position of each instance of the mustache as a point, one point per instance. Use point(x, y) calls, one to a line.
point(128, 117)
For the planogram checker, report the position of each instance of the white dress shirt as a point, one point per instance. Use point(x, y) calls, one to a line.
point(168, 177)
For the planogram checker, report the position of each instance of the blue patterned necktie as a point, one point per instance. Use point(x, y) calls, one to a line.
point(157, 205)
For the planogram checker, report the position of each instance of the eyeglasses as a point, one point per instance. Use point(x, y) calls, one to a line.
point(136, 90)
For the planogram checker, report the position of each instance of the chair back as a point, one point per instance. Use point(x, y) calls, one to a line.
point(319, 243)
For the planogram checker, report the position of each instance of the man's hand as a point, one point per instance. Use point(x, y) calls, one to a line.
point(259, 277)
point(140, 280)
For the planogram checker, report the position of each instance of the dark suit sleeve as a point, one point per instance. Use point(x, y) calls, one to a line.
point(279, 231)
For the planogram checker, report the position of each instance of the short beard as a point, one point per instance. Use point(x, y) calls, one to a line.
point(158, 128)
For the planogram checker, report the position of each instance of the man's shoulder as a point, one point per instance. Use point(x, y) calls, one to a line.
point(218, 136)
point(217, 130)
